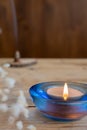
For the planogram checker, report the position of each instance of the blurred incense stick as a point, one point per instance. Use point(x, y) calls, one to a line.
point(15, 25)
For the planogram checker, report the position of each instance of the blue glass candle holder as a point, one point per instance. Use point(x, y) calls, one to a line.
point(55, 107)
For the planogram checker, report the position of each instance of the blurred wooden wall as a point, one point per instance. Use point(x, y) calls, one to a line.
point(46, 28)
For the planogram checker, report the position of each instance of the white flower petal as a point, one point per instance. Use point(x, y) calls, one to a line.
point(22, 99)
point(3, 73)
point(7, 65)
point(19, 125)
point(15, 110)
point(26, 113)
point(9, 82)
point(7, 91)
point(31, 127)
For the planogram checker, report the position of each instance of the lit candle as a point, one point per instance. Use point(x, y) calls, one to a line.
point(66, 103)
point(64, 92)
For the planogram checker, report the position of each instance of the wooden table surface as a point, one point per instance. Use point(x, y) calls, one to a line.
point(45, 70)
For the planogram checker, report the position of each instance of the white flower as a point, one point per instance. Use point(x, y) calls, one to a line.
point(16, 110)
point(11, 120)
point(22, 99)
point(19, 125)
point(9, 82)
point(20, 106)
point(31, 127)
point(3, 73)
point(26, 113)
point(7, 65)
point(7, 91)
point(4, 98)
point(3, 107)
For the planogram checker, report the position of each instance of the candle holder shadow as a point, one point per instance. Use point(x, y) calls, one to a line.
point(55, 107)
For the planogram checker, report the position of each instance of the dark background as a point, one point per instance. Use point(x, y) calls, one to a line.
point(46, 28)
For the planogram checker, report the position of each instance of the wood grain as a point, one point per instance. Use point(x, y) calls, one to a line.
point(46, 28)
point(52, 28)
point(45, 70)
point(7, 44)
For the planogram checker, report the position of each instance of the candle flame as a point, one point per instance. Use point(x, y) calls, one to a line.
point(65, 92)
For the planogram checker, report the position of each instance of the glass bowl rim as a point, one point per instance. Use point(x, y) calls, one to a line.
point(37, 89)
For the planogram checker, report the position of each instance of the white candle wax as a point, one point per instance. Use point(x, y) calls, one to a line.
point(58, 92)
